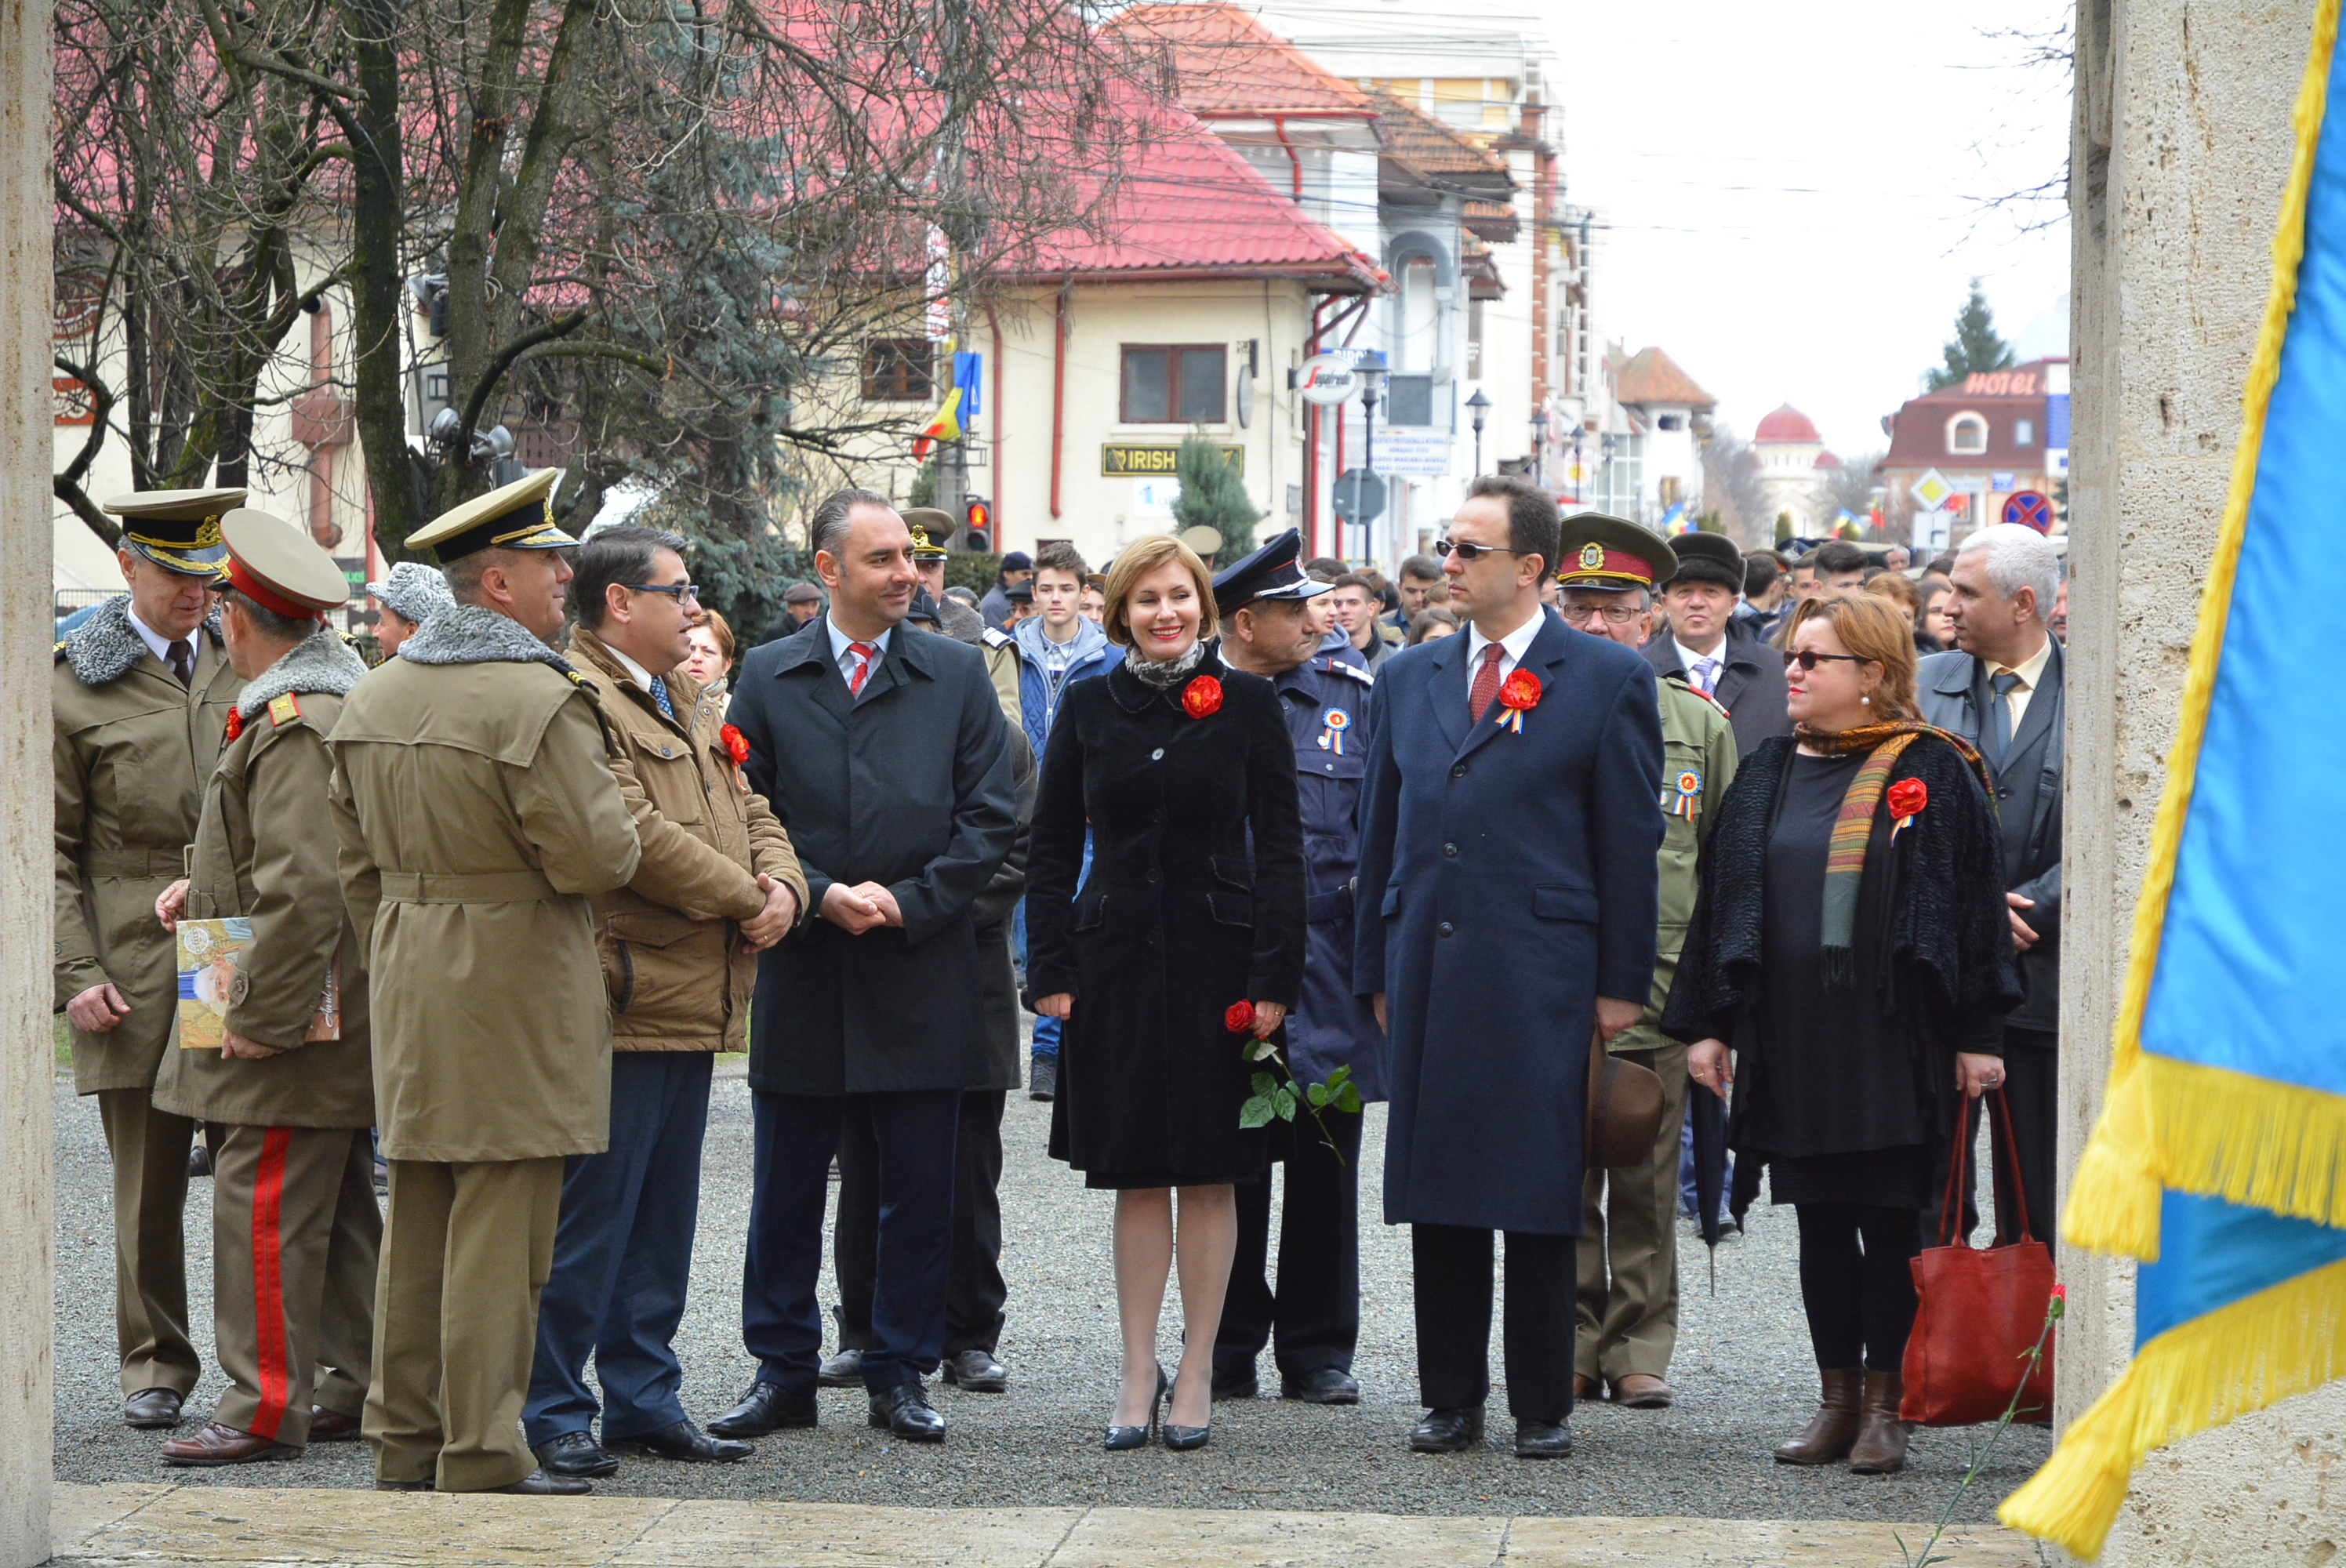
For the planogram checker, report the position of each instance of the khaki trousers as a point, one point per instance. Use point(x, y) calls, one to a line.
point(1627, 1316)
point(149, 1148)
point(465, 1250)
point(295, 1242)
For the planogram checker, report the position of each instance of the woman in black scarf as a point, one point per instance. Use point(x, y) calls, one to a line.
point(1850, 941)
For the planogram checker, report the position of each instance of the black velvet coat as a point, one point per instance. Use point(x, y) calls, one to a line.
point(1930, 923)
point(1170, 928)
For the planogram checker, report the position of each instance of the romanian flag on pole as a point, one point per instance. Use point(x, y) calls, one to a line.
point(2220, 1158)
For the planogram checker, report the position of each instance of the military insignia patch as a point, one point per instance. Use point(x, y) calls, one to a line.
point(1592, 556)
point(283, 710)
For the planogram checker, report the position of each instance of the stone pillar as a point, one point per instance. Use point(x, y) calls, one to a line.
point(2180, 149)
point(26, 633)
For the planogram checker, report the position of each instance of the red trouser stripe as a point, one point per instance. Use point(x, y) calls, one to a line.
point(268, 1282)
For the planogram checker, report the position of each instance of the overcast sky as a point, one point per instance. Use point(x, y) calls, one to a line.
point(1793, 190)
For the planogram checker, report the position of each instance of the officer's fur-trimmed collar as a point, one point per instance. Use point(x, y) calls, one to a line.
point(468, 633)
point(106, 647)
point(319, 662)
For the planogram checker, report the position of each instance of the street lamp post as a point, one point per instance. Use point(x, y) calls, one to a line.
point(1539, 446)
point(1478, 405)
point(1372, 378)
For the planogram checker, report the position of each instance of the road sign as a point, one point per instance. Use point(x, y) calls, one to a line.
point(1360, 495)
point(2029, 509)
point(1327, 379)
point(1932, 490)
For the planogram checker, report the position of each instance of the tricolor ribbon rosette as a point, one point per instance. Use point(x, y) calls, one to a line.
point(1518, 695)
point(1338, 721)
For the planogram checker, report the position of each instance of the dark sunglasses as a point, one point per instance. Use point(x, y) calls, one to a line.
point(1809, 658)
point(1471, 552)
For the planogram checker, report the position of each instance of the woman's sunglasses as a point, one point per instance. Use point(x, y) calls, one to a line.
point(1809, 658)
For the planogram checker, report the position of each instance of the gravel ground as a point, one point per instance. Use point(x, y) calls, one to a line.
point(1743, 1374)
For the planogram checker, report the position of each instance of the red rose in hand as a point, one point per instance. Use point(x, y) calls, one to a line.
point(1908, 797)
point(736, 744)
point(1520, 690)
point(235, 723)
point(1238, 1017)
point(1201, 696)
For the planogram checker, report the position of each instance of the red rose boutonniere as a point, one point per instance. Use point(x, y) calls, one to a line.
point(1905, 799)
point(1518, 694)
point(1201, 696)
point(736, 744)
point(235, 722)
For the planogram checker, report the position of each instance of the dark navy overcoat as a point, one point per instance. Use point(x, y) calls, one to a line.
point(1507, 880)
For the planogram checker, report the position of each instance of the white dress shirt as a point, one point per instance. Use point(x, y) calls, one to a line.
point(841, 645)
point(1513, 645)
point(1689, 658)
point(2031, 671)
point(635, 672)
point(161, 645)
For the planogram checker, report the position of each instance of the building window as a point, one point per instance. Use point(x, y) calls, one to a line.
point(1672, 421)
point(1966, 432)
point(2023, 432)
point(1174, 384)
point(899, 369)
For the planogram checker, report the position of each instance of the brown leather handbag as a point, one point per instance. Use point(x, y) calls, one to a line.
point(1625, 1110)
point(1980, 1311)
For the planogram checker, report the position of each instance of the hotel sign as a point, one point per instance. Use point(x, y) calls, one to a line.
point(1144, 459)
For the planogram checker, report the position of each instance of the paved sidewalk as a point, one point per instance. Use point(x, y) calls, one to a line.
point(164, 1525)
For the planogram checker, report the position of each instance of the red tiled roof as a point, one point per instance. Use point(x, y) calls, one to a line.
point(1789, 424)
point(1229, 66)
point(1651, 376)
point(1186, 202)
point(1918, 431)
point(1432, 149)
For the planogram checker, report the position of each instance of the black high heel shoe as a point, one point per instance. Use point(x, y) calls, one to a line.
point(1181, 1439)
point(1120, 1439)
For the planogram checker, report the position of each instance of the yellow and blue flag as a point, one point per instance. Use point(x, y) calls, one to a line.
point(2220, 1160)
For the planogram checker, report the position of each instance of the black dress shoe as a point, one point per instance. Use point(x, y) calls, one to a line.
point(977, 1371)
point(766, 1407)
point(1447, 1431)
point(1543, 1439)
point(199, 1160)
point(537, 1484)
point(845, 1370)
point(1327, 1386)
point(575, 1455)
point(683, 1440)
point(1043, 1078)
point(150, 1409)
point(905, 1410)
point(1235, 1385)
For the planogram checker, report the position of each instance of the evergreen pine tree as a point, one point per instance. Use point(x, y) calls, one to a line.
point(1213, 493)
point(1975, 346)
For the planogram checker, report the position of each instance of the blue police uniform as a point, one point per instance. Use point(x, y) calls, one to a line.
point(1314, 1313)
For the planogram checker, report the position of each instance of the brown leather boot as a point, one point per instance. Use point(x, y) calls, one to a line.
point(1834, 1427)
point(1881, 1447)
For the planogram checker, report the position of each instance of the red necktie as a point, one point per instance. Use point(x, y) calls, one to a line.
point(1486, 681)
point(864, 653)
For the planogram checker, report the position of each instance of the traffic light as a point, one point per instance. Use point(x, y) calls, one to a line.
point(978, 519)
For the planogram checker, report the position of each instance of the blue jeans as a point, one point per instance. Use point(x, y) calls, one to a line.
point(1047, 1030)
point(623, 1255)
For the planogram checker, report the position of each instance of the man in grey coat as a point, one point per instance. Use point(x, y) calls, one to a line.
point(2002, 688)
point(884, 753)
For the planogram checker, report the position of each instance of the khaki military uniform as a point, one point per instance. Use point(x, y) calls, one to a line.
point(1629, 1270)
point(477, 815)
point(295, 1229)
point(132, 749)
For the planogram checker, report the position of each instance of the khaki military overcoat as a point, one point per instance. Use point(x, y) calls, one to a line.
point(266, 850)
point(678, 975)
point(1697, 751)
point(477, 815)
point(132, 750)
